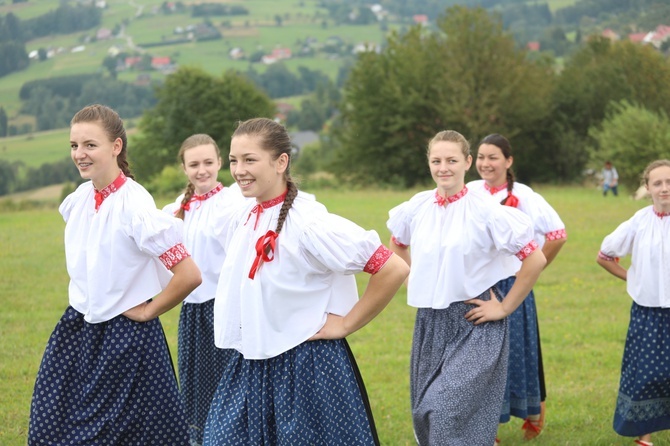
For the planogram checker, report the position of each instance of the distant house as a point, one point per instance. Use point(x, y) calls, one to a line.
point(533, 46)
point(420, 19)
point(236, 53)
point(132, 61)
point(283, 109)
point(366, 47)
point(163, 64)
point(656, 38)
point(276, 55)
point(609, 34)
point(637, 37)
point(103, 34)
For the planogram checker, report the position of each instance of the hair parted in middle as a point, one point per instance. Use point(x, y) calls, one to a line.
point(496, 139)
point(199, 139)
point(450, 136)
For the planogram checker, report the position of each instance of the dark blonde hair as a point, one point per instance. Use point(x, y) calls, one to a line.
point(112, 125)
point(651, 166)
point(273, 137)
point(199, 139)
point(450, 136)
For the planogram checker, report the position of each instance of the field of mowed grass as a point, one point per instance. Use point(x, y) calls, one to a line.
point(583, 315)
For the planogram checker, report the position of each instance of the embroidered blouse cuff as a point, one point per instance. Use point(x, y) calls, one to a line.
point(396, 242)
point(378, 259)
point(603, 256)
point(527, 250)
point(556, 235)
point(174, 255)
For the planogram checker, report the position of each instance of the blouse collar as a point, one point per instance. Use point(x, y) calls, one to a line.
point(206, 195)
point(441, 201)
point(106, 191)
point(258, 209)
point(495, 189)
point(660, 214)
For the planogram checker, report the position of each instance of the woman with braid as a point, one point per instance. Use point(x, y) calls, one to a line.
point(205, 207)
point(285, 302)
point(525, 392)
point(106, 377)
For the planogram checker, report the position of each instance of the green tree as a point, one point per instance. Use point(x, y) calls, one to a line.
point(631, 136)
point(192, 101)
point(3, 122)
point(469, 77)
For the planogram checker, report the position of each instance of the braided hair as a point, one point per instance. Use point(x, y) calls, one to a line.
point(274, 138)
point(113, 126)
point(199, 139)
point(496, 139)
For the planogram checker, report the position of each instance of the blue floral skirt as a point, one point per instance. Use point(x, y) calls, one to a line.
point(311, 395)
point(522, 392)
point(457, 376)
point(643, 403)
point(110, 383)
point(200, 362)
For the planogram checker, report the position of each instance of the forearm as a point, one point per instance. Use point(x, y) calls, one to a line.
point(613, 268)
point(380, 290)
point(531, 267)
point(186, 277)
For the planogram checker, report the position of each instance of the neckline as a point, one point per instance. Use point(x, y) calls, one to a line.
point(495, 189)
point(441, 201)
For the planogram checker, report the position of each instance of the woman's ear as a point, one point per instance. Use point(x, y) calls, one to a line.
point(282, 163)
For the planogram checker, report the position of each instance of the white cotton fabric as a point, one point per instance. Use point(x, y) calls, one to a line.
point(205, 226)
point(112, 254)
point(646, 237)
point(311, 275)
point(459, 250)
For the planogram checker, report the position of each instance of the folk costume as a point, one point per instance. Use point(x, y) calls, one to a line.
point(461, 247)
point(200, 362)
point(105, 379)
point(525, 379)
point(274, 293)
point(643, 403)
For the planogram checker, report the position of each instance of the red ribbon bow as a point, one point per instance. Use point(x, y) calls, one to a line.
point(511, 200)
point(265, 246)
point(98, 200)
point(258, 210)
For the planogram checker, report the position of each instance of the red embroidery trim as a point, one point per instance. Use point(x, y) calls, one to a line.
point(441, 201)
point(495, 189)
point(187, 206)
point(262, 252)
point(661, 214)
point(258, 209)
point(603, 256)
point(556, 235)
point(106, 191)
point(396, 242)
point(378, 259)
point(174, 255)
point(527, 250)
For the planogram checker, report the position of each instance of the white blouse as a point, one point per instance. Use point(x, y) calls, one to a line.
point(646, 237)
point(309, 274)
point(459, 248)
point(205, 224)
point(118, 255)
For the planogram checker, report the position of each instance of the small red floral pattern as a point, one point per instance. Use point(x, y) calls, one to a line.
point(661, 214)
point(441, 201)
point(603, 256)
point(396, 242)
point(100, 195)
point(378, 259)
point(174, 255)
point(493, 189)
point(527, 250)
point(203, 197)
point(556, 235)
point(258, 209)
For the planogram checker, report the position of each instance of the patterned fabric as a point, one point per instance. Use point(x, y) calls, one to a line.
point(174, 255)
point(556, 235)
point(457, 376)
point(200, 198)
point(258, 209)
point(311, 395)
point(441, 201)
point(378, 259)
point(661, 214)
point(643, 403)
point(100, 195)
point(522, 392)
point(527, 250)
point(110, 383)
point(201, 364)
point(495, 189)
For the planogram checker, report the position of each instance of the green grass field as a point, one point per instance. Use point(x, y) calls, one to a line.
point(583, 317)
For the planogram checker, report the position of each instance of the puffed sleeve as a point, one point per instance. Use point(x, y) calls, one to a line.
point(69, 202)
point(620, 242)
point(337, 244)
point(511, 231)
point(173, 207)
point(160, 235)
point(400, 218)
point(545, 218)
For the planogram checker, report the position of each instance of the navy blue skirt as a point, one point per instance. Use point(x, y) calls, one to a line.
point(522, 392)
point(643, 403)
point(311, 395)
point(201, 364)
point(110, 383)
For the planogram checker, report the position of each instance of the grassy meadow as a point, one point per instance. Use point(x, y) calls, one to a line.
point(583, 317)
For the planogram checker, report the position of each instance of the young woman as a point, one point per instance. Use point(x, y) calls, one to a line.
point(463, 244)
point(205, 207)
point(106, 376)
point(525, 392)
point(644, 396)
point(285, 302)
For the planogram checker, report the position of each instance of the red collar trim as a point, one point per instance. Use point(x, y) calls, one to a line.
point(661, 214)
point(210, 194)
point(441, 201)
point(495, 189)
point(274, 201)
point(108, 190)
